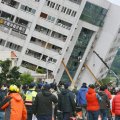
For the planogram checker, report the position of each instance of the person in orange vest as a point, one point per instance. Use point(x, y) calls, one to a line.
point(93, 106)
point(13, 105)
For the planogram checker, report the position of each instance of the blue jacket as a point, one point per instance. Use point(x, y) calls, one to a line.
point(81, 96)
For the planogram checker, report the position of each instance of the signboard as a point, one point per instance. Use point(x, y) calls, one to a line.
point(10, 24)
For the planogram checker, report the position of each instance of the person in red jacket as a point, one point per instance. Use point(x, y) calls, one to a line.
point(116, 105)
point(107, 92)
point(13, 105)
point(92, 103)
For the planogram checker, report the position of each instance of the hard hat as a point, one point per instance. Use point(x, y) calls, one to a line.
point(13, 88)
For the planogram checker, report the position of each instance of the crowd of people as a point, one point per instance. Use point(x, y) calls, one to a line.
point(45, 101)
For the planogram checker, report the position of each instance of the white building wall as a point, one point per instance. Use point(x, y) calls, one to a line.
point(103, 44)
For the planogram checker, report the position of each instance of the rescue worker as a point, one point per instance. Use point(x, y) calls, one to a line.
point(116, 105)
point(92, 103)
point(3, 93)
point(13, 105)
point(66, 102)
point(81, 99)
point(30, 97)
point(42, 106)
point(105, 104)
point(109, 115)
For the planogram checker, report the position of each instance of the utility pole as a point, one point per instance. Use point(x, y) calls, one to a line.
point(117, 78)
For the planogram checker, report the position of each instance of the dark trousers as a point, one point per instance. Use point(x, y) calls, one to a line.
point(66, 115)
point(29, 112)
point(103, 113)
point(29, 116)
point(44, 117)
point(117, 117)
point(92, 115)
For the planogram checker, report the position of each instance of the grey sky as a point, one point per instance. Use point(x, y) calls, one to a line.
point(115, 1)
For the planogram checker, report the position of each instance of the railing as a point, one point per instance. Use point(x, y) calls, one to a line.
point(19, 35)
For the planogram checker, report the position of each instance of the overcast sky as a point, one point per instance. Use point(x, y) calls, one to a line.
point(115, 1)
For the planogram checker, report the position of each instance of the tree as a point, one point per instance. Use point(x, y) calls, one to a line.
point(14, 76)
point(26, 78)
point(8, 74)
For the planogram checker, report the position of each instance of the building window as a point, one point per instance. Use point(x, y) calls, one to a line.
point(43, 15)
point(7, 16)
point(48, 3)
point(52, 4)
point(63, 24)
point(63, 9)
point(53, 47)
point(14, 46)
point(73, 13)
point(27, 9)
point(50, 18)
point(78, 52)
point(38, 42)
point(59, 36)
point(42, 30)
point(11, 3)
point(28, 65)
point(2, 42)
point(68, 11)
point(57, 7)
point(33, 53)
point(44, 58)
point(52, 60)
point(23, 22)
point(93, 14)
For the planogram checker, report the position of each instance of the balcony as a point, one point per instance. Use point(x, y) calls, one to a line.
point(33, 54)
point(28, 65)
point(63, 24)
point(43, 30)
point(53, 48)
point(18, 34)
point(59, 36)
point(37, 42)
point(76, 1)
point(11, 3)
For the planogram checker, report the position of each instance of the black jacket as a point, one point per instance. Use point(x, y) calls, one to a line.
point(66, 101)
point(3, 93)
point(105, 102)
point(43, 103)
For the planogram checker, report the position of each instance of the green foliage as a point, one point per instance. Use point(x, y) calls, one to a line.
point(40, 70)
point(107, 80)
point(26, 78)
point(14, 76)
point(9, 75)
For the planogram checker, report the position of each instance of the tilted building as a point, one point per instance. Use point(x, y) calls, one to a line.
point(46, 32)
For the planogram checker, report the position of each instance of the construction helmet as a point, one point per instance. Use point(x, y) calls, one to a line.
point(13, 88)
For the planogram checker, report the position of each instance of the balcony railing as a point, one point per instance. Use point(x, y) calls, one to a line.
point(19, 35)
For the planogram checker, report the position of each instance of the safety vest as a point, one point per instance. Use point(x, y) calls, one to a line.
point(30, 96)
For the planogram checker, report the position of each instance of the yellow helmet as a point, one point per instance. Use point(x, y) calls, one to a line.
point(13, 88)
